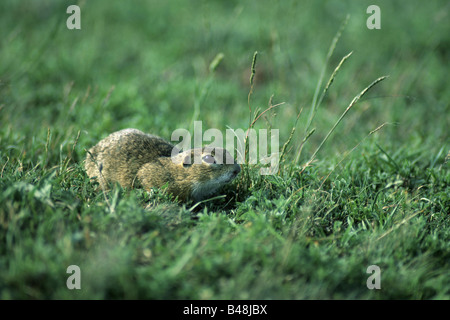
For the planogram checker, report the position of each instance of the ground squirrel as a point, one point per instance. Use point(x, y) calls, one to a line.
point(136, 159)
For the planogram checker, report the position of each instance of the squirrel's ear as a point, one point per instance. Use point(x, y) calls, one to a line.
point(185, 159)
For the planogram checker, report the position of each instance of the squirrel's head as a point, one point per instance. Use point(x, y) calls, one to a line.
point(208, 168)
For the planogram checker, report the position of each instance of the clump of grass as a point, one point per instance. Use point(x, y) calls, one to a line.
point(253, 117)
point(245, 181)
point(352, 103)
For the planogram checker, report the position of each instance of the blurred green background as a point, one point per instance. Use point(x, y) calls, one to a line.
point(145, 64)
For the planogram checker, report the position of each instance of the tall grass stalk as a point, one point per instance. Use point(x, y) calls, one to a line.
point(354, 101)
point(317, 101)
point(205, 88)
point(334, 42)
point(325, 90)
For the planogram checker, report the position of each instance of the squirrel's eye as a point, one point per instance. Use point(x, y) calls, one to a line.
point(209, 159)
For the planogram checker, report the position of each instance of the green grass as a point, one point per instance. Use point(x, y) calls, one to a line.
point(369, 197)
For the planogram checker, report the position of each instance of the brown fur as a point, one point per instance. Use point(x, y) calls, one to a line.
point(133, 158)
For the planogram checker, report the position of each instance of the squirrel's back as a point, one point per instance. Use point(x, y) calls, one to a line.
point(120, 155)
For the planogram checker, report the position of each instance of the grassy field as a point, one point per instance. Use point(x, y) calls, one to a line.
point(377, 192)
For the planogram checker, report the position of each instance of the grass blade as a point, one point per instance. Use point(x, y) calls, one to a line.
point(322, 74)
point(354, 101)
